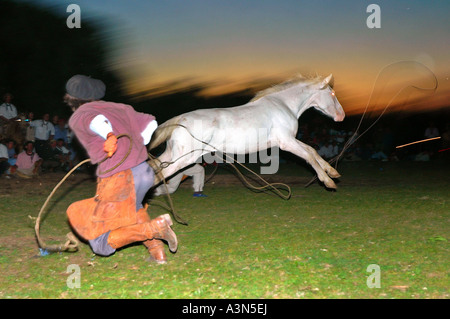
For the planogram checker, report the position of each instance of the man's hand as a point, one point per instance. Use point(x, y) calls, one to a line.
point(110, 145)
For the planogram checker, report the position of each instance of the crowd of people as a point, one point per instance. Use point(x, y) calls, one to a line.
point(380, 145)
point(29, 146)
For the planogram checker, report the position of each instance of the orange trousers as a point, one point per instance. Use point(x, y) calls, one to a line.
point(113, 206)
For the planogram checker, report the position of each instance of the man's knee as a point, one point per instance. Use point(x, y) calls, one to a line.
point(100, 245)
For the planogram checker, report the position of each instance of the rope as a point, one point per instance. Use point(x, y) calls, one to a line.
point(72, 242)
point(212, 174)
point(273, 186)
point(353, 138)
point(171, 208)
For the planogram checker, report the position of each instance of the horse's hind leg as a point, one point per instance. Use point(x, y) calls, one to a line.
point(322, 168)
point(171, 162)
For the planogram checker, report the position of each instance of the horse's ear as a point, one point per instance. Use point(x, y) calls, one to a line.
point(329, 80)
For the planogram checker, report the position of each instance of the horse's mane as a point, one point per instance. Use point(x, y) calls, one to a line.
point(286, 84)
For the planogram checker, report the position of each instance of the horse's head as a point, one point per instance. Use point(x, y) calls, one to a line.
point(324, 99)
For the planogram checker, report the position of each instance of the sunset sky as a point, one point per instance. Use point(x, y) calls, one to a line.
point(235, 44)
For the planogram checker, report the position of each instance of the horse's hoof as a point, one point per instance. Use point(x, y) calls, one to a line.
point(333, 173)
point(330, 184)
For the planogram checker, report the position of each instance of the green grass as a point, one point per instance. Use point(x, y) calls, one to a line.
point(244, 244)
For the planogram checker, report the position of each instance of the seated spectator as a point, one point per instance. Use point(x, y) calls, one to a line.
point(379, 155)
point(28, 162)
point(12, 156)
point(423, 156)
point(340, 137)
point(326, 150)
point(4, 165)
point(49, 154)
point(63, 154)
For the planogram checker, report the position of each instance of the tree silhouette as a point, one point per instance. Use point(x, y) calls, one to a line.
point(39, 53)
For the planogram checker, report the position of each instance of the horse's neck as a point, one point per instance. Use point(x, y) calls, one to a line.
point(297, 103)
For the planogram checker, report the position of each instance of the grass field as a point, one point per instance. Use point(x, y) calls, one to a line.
point(245, 244)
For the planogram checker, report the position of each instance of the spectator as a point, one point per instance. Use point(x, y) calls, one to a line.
point(379, 155)
point(340, 137)
point(61, 131)
point(8, 112)
point(430, 132)
point(31, 130)
point(326, 150)
point(28, 162)
point(422, 156)
point(55, 120)
point(44, 133)
point(50, 157)
point(63, 154)
point(12, 156)
point(4, 165)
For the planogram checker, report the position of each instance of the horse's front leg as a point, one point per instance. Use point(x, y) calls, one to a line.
point(333, 173)
point(322, 168)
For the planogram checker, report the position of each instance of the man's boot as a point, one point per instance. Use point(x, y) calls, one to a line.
point(155, 247)
point(158, 228)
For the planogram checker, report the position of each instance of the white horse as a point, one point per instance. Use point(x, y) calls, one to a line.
point(276, 110)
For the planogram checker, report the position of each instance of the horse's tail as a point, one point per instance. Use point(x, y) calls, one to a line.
point(163, 132)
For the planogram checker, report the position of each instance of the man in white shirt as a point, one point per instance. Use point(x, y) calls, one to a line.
point(44, 132)
point(8, 112)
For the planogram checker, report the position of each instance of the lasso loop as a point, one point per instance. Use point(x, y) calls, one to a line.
point(355, 135)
